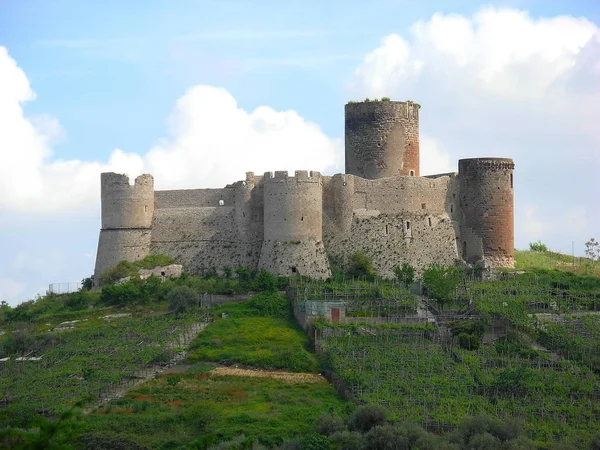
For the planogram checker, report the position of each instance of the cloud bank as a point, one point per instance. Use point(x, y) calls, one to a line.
point(501, 83)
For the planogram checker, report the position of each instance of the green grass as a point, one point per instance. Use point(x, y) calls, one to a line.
point(209, 408)
point(527, 259)
point(266, 342)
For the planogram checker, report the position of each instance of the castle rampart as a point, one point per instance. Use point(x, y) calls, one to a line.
point(301, 224)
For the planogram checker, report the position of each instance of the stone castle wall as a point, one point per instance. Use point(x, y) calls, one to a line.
point(301, 224)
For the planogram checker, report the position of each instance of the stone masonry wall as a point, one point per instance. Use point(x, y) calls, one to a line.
point(382, 139)
point(293, 225)
point(394, 220)
point(487, 211)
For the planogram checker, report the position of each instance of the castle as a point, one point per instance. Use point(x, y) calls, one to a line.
point(300, 224)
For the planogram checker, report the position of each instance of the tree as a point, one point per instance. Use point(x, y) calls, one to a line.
point(181, 299)
point(592, 249)
point(361, 265)
point(405, 274)
point(442, 281)
point(538, 247)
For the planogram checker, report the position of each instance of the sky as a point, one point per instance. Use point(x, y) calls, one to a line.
point(199, 92)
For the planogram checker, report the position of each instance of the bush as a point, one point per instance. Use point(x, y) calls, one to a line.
point(122, 294)
point(181, 299)
point(469, 341)
point(347, 440)
point(366, 417)
point(538, 247)
point(78, 300)
point(315, 442)
point(361, 265)
point(270, 304)
point(442, 281)
point(328, 424)
point(265, 282)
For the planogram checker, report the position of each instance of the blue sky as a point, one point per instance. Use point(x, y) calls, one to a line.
point(121, 76)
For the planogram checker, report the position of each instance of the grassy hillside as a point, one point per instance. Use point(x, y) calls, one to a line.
point(548, 260)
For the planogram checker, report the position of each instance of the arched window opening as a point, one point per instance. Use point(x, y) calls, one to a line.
point(412, 173)
point(221, 202)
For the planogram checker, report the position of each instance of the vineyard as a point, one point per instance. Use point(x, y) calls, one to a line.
point(85, 358)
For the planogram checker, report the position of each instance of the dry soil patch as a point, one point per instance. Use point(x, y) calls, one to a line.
point(288, 377)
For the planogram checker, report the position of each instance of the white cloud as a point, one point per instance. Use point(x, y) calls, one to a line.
point(434, 158)
point(501, 83)
point(212, 142)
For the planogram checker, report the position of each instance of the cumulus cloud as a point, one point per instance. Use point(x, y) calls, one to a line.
point(211, 142)
point(501, 83)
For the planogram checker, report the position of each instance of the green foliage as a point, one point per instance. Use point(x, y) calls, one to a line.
point(264, 281)
point(181, 299)
point(126, 269)
point(270, 304)
point(442, 281)
point(315, 442)
point(538, 247)
point(361, 265)
point(366, 417)
point(108, 441)
point(385, 99)
point(405, 274)
point(87, 284)
point(328, 424)
point(122, 294)
point(592, 249)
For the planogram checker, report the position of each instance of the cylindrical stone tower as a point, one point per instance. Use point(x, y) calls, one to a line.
point(382, 139)
point(293, 225)
point(127, 214)
point(487, 211)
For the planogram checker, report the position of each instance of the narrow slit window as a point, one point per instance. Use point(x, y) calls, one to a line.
point(387, 229)
point(423, 205)
point(451, 208)
point(302, 219)
point(429, 219)
point(145, 208)
point(511, 180)
point(407, 225)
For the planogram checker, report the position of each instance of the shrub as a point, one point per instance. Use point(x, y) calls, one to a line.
point(244, 274)
point(181, 299)
point(538, 247)
point(366, 417)
point(265, 282)
point(385, 99)
point(104, 441)
point(78, 300)
point(87, 284)
point(469, 341)
point(328, 424)
point(122, 294)
point(270, 304)
point(361, 265)
point(315, 442)
point(347, 440)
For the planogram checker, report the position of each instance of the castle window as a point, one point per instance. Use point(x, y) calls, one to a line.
point(407, 225)
point(464, 249)
point(145, 208)
point(453, 195)
point(221, 202)
point(294, 270)
point(423, 205)
point(451, 208)
point(302, 219)
point(387, 231)
point(429, 219)
point(511, 180)
point(412, 173)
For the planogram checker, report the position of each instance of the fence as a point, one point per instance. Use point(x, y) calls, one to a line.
point(63, 288)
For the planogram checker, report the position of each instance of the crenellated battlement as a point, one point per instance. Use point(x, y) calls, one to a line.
point(487, 164)
point(300, 176)
point(296, 222)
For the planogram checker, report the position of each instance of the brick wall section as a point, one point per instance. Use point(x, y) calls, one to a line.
point(382, 139)
point(487, 205)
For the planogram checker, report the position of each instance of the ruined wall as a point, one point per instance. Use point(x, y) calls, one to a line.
point(127, 213)
point(394, 220)
point(293, 225)
point(487, 210)
point(209, 229)
point(382, 139)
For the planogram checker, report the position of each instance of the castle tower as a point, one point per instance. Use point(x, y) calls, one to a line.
point(127, 213)
point(293, 225)
point(382, 139)
point(487, 211)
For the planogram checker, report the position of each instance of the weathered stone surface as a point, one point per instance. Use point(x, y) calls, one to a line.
point(295, 224)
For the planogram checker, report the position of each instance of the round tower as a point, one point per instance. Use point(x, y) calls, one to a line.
point(382, 139)
point(293, 225)
point(127, 214)
point(487, 211)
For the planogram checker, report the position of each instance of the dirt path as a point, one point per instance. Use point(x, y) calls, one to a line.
point(288, 377)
